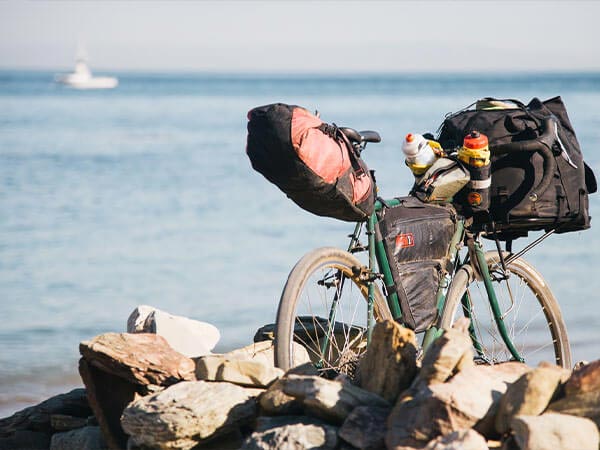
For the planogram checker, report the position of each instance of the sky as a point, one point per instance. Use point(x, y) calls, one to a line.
point(311, 36)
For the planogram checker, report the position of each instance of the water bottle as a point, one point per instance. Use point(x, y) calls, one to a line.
point(420, 153)
point(475, 154)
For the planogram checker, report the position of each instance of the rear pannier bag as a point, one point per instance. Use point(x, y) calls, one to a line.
point(520, 199)
point(310, 161)
point(416, 237)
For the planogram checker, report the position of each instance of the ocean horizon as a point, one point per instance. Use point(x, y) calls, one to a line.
point(143, 194)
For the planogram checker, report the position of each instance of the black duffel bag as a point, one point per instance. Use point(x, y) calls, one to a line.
point(539, 178)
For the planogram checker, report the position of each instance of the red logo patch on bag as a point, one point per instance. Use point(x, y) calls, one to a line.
point(405, 240)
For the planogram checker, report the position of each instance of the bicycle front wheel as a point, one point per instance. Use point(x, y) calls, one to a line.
point(324, 308)
point(531, 314)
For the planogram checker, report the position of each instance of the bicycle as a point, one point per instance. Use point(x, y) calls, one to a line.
point(514, 314)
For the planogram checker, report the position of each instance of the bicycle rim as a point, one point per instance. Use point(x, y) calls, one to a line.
point(531, 314)
point(323, 307)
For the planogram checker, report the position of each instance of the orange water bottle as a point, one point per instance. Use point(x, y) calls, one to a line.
point(475, 154)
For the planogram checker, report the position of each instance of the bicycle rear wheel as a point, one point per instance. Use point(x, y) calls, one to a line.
point(533, 318)
point(324, 307)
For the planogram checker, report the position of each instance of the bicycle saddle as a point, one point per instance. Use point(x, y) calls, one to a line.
point(361, 136)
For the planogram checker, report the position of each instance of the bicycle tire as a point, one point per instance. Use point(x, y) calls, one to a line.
point(315, 271)
point(543, 315)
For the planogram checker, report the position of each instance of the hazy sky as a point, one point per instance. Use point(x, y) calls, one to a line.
point(307, 36)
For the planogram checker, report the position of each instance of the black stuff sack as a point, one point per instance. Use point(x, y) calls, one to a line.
point(416, 237)
point(312, 162)
point(539, 180)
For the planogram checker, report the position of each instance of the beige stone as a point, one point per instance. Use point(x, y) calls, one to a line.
point(390, 362)
point(555, 432)
point(448, 354)
point(328, 399)
point(468, 399)
point(189, 337)
point(263, 352)
point(276, 402)
point(529, 395)
point(237, 371)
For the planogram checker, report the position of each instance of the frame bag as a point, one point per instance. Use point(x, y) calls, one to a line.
point(312, 162)
point(417, 237)
point(539, 180)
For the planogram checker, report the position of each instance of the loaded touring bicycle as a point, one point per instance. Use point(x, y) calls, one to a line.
point(420, 259)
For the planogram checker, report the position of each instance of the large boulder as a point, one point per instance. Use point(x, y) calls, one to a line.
point(138, 358)
point(189, 337)
point(329, 399)
point(117, 368)
point(529, 395)
point(469, 399)
point(188, 413)
point(555, 432)
point(390, 362)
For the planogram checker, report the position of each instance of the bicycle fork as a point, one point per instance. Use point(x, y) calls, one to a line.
point(482, 268)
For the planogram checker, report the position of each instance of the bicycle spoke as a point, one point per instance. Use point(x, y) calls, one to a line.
point(529, 324)
point(334, 351)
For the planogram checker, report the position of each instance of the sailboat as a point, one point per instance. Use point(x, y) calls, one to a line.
point(82, 78)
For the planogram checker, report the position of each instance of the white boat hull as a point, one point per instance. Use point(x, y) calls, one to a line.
point(90, 83)
point(82, 78)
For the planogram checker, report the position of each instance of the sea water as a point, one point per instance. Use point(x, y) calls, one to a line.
point(144, 195)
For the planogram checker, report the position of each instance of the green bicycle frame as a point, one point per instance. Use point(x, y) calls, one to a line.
point(377, 254)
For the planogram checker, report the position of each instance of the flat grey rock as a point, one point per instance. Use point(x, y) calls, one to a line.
point(188, 413)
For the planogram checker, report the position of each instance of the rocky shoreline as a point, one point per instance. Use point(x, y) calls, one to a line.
point(158, 386)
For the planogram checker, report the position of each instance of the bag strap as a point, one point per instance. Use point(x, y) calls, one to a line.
point(518, 103)
point(334, 132)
